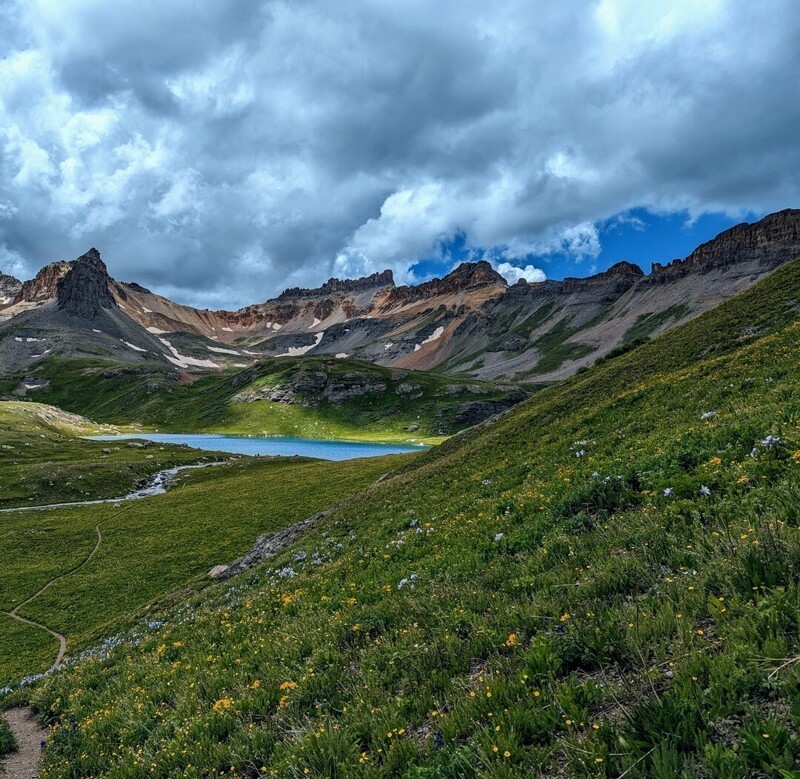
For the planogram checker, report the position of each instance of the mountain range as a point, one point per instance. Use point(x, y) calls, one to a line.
point(471, 321)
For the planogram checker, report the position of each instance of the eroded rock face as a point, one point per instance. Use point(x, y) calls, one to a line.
point(266, 546)
point(617, 279)
point(84, 290)
point(43, 286)
point(467, 276)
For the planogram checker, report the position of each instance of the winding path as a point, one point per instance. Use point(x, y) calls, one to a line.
point(29, 735)
point(62, 641)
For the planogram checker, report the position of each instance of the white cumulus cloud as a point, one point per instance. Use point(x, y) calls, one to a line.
point(512, 273)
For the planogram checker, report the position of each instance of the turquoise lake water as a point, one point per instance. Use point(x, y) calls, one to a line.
point(269, 445)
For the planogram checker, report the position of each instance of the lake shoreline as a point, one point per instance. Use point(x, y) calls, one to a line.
point(270, 445)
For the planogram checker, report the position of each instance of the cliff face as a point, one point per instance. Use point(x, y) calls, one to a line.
point(770, 242)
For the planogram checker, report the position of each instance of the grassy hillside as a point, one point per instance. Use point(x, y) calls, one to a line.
point(149, 547)
point(320, 397)
point(602, 583)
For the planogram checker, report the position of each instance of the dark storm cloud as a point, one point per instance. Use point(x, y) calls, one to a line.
point(220, 151)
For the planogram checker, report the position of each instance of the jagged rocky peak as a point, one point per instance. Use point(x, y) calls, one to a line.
point(43, 286)
point(9, 289)
point(83, 291)
point(472, 274)
point(339, 286)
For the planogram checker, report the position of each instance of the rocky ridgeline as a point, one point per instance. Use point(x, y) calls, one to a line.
point(770, 242)
point(84, 290)
point(470, 320)
point(339, 286)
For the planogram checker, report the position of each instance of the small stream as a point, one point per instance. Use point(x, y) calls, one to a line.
point(157, 484)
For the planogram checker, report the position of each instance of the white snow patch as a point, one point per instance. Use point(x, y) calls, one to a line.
point(182, 361)
point(296, 351)
point(434, 336)
point(33, 340)
point(314, 323)
point(276, 326)
point(219, 350)
point(146, 310)
point(240, 365)
point(18, 339)
point(133, 346)
point(227, 329)
point(388, 346)
point(155, 331)
point(96, 331)
point(341, 356)
point(33, 386)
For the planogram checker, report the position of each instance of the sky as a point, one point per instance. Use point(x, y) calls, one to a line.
point(218, 151)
